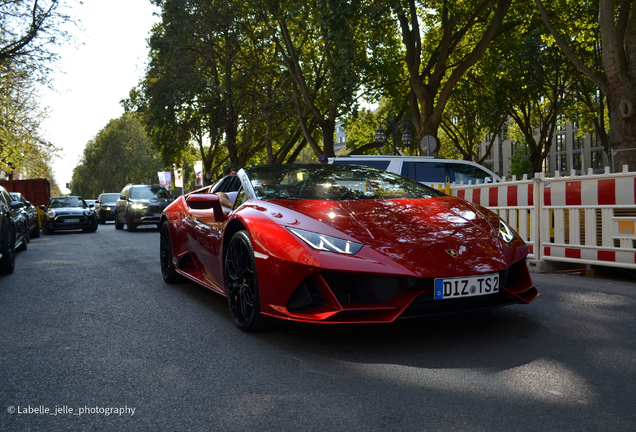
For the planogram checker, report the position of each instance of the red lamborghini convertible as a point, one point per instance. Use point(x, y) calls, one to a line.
point(340, 244)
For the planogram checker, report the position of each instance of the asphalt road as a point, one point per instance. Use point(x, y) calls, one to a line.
point(88, 325)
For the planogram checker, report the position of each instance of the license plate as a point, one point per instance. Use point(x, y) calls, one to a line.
point(71, 220)
point(466, 286)
point(156, 215)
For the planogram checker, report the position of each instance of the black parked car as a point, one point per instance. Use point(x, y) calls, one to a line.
point(13, 233)
point(140, 204)
point(105, 207)
point(69, 213)
point(31, 213)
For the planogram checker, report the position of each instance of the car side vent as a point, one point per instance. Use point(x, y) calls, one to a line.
point(306, 297)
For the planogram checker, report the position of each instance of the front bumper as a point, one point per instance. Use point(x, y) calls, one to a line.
point(107, 215)
point(147, 215)
point(68, 222)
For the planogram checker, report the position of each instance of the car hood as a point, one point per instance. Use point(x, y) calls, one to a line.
point(414, 223)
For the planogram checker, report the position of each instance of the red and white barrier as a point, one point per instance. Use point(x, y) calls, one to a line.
point(578, 219)
point(514, 201)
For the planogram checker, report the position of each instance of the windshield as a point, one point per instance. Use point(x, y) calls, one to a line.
point(333, 183)
point(67, 202)
point(148, 192)
point(110, 198)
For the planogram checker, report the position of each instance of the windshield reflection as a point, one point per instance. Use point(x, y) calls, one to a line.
point(333, 183)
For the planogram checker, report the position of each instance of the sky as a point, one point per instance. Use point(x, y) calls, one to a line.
point(91, 79)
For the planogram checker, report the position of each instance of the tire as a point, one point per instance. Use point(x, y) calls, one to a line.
point(92, 228)
point(118, 225)
point(168, 272)
point(130, 225)
point(241, 284)
point(7, 246)
point(46, 230)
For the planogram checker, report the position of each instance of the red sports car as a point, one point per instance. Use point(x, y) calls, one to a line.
point(340, 244)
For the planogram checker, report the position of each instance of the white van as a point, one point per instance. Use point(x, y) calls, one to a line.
point(424, 169)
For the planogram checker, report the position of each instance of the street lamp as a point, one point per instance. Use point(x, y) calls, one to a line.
point(394, 124)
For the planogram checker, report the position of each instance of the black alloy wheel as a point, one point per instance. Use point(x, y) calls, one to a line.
point(165, 250)
point(241, 283)
point(7, 263)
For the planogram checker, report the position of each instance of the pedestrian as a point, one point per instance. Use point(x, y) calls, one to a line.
point(323, 160)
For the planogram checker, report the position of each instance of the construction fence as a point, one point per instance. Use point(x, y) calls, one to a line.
point(587, 219)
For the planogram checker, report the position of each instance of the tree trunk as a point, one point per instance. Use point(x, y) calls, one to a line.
point(622, 130)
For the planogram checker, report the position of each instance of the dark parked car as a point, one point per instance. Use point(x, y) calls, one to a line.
point(69, 213)
point(13, 233)
point(31, 213)
point(105, 207)
point(140, 204)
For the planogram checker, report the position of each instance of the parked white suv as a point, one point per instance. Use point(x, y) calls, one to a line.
point(424, 169)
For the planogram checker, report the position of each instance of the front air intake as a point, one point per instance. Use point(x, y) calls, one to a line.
point(306, 297)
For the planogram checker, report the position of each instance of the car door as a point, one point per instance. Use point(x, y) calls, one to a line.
point(205, 237)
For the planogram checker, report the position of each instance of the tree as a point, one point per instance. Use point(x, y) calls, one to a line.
point(473, 115)
point(532, 84)
point(22, 147)
point(120, 153)
point(616, 22)
point(28, 31)
point(443, 40)
point(327, 47)
point(213, 82)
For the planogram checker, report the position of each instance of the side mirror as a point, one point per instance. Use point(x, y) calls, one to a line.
point(206, 202)
point(122, 197)
point(17, 204)
point(42, 207)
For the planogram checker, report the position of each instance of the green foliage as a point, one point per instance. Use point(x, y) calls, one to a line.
point(520, 162)
point(533, 84)
point(22, 147)
point(360, 129)
point(120, 153)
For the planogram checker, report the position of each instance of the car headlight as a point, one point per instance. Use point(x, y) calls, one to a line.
point(505, 232)
point(50, 214)
point(138, 206)
point(326, 243)
point(107, 208)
